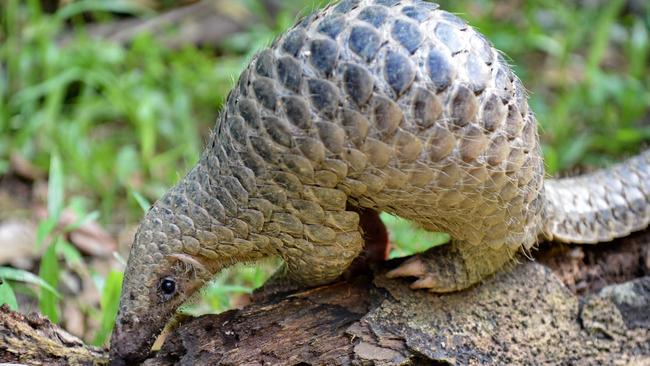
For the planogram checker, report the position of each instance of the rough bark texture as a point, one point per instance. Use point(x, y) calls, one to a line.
point(521, 316)
point(33, 340)
point(524, 315)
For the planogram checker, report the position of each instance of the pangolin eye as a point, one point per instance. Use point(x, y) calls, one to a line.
point(167, 287)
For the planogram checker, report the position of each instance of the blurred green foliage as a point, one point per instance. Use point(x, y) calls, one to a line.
point(121, 118)
point(407, 238)
point(222, 292)
point(116, 125)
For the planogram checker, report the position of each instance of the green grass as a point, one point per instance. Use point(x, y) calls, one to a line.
point(116, 125)
point(121, 118)
point(406, 238)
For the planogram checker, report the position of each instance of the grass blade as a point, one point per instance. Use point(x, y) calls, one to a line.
point(82, 220)
point(110, 302)
point(407, 238)
point(142, 202)
point(49, 272)
point(602, 34)
point(20, 275)
point(55, 187)
point(70, 254)
point(7, 295)
point(115, 6)
point(45, 228)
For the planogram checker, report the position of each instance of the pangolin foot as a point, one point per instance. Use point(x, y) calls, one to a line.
point(440, 269)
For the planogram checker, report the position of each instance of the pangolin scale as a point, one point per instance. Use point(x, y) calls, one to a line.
point(393, 106)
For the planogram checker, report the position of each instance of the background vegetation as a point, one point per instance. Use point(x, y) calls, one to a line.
point(113, 125)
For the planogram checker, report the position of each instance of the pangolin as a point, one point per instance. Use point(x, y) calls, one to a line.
point(382, 105)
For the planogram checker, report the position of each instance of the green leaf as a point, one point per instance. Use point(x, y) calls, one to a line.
point(409, 239)
point(234, 289)
point(127, 163)
point(70, 254)
point(109, 302)
point(4, 165)
point(47, 87)
point(55, 187)
point(7, 295)
point(638, 52)
point(82, 220)
point(20, 275)
point(572, 153)
point(49, 271)
point(45, 228)
point(142, 202)
point(114, 6)
point(602, 33)
point(551, 159)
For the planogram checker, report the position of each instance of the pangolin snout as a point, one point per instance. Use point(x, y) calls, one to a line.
point(131, 342)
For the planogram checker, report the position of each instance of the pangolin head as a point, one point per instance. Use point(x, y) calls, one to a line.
point(159, 277)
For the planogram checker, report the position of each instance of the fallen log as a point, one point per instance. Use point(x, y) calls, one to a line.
point(524, 315)
point(34, 340)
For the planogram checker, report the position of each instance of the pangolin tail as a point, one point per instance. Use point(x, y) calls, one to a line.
point(599, 206)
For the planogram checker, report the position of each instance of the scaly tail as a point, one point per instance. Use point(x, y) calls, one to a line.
point(600, 206)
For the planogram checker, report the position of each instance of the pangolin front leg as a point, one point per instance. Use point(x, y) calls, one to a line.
point(453, 266)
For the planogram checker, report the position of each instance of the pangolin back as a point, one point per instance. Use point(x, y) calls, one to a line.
point(400, 106)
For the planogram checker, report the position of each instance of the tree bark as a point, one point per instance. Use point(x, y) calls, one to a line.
point(523, 315)
point(33, 340)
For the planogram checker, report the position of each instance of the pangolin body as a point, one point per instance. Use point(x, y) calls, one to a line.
point(392, 106)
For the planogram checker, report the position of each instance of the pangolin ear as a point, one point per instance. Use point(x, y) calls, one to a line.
point(188, 263)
